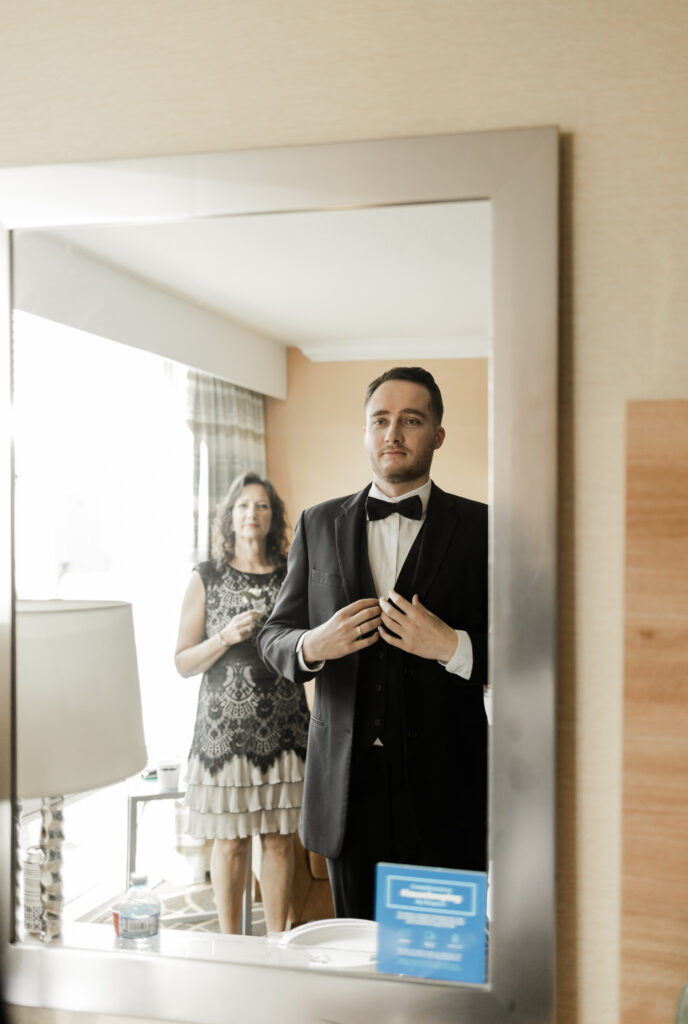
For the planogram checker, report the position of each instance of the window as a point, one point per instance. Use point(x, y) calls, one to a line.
point(104, 503)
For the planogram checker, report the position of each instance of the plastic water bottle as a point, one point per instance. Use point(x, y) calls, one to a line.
point(139, 916)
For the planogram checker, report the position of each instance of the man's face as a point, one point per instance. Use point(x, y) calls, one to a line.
point(400, 435)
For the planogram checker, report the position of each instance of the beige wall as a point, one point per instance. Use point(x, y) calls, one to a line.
point(86, 79)
point(315, 437)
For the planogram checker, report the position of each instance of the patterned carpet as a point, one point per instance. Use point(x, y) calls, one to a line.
point(178, 900)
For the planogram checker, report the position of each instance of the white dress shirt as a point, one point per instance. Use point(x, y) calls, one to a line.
point(389, 542)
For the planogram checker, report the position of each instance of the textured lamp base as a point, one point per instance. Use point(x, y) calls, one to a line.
point(52, 837)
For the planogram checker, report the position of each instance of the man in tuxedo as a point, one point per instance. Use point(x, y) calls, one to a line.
point(385, 603)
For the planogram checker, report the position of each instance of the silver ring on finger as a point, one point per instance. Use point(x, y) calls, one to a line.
point(360, 634)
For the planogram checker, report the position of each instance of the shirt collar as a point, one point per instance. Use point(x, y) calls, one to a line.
point(423, 493)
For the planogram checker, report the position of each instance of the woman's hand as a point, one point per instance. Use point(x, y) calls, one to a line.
point(240, 627)
point(194, 654)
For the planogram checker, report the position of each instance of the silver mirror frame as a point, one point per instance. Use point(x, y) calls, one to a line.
point(517, 170)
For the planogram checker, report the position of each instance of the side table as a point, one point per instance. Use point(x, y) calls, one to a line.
point(143, 791)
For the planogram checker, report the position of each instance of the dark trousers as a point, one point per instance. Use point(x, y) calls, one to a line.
point(380, 826)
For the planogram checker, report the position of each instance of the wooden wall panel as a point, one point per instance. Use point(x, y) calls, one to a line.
point(654, 908)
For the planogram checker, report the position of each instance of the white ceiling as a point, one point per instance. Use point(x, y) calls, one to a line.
point(400, 281)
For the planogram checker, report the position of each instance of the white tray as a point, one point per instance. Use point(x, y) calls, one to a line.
point(339, 942)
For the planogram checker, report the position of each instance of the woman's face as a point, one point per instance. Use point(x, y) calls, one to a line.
point(252, 514)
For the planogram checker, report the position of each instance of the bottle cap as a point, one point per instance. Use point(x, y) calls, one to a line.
point(139, 878)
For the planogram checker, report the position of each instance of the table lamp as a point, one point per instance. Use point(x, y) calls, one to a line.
point(79, 723)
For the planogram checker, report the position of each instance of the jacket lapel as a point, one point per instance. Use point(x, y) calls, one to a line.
point(440, 523)
point(348, 531)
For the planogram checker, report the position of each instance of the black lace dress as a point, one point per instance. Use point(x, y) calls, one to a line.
point(245, 768)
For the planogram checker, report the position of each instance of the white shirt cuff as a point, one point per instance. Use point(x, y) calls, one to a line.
point(316, 666)
point(461, 661)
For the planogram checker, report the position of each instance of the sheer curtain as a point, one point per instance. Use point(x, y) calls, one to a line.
point(228, 427)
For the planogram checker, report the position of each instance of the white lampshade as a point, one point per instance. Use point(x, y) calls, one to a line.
point(79, 723)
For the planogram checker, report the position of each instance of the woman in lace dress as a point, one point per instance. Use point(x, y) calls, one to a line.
point(245, 767)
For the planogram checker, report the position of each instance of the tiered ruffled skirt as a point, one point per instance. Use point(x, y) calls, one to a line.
point(241, 800)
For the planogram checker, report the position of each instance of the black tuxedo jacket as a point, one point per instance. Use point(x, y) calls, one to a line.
point(447, 745)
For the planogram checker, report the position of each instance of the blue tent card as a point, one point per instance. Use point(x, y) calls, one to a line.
point(431, 922)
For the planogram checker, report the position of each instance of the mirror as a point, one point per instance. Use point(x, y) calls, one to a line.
point(409, 282)
point(437, 172)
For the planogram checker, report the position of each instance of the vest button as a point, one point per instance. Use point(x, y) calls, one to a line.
point(377, 722)
point(378, 686)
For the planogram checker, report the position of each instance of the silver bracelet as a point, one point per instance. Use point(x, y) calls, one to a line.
point(222, 639)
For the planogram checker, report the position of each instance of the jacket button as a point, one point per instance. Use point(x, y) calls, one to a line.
point(377, 722)
point(378, 686)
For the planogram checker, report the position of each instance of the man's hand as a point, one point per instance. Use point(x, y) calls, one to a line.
point(418, 630)
point(344, 633)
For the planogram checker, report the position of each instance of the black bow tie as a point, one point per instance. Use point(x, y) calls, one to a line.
point(412, 507)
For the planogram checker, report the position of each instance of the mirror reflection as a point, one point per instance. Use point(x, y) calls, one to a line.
point(122, 456)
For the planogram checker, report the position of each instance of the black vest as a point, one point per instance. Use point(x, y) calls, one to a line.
point(384, 705)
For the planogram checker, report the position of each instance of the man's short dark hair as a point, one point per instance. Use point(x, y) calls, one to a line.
point(417, 375)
